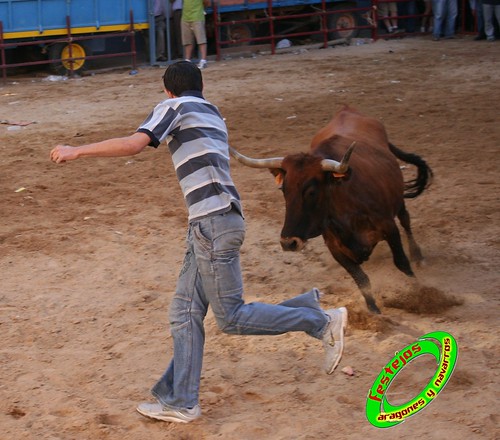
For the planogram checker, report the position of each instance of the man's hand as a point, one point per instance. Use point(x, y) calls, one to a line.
point(63, 153)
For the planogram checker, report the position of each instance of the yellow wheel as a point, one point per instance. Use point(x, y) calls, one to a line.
point(73, 50)
point(65, 52)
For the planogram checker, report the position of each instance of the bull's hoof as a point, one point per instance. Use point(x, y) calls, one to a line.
point(373, 307)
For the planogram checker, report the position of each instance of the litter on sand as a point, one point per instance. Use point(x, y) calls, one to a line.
point(19, 123)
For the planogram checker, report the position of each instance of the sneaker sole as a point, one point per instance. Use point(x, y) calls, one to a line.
point(344, 326)
point(164, 418)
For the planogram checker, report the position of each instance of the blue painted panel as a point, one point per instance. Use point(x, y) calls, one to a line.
point(37, 15)
point(82, 13)
point(24, 15)
point(53, 14)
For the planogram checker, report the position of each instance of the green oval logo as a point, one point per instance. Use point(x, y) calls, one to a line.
point(443, 347)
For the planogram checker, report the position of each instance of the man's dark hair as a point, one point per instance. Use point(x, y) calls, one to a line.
point(181, 77)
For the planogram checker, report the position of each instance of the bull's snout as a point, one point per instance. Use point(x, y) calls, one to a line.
point(293, 244)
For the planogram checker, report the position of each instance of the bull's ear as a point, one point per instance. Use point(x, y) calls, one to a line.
point(340, 176)
point(278, 176)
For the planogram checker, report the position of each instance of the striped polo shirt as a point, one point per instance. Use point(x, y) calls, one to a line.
point(197, 138)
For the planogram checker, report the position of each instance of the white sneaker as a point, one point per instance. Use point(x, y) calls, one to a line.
point(333, 339)
point(158, 412)
point(202, 64)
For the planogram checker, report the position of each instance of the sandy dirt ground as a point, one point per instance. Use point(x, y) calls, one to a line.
point(90, 251)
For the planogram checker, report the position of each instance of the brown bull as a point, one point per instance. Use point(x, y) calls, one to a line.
point(352, 203)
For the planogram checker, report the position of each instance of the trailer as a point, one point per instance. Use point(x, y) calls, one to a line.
point(67, 32)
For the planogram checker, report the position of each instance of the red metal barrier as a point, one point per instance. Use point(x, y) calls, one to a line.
point(370, 14)
point(69, 38)
point(271, 19)
point(2, 51)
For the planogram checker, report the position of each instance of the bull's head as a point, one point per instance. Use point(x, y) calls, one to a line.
point(304, 180)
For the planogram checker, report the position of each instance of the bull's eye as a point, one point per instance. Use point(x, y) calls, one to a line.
point(310, 192)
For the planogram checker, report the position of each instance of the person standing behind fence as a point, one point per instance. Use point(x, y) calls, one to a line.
point(490, 8)
point(160, 27)
point(445, 15)
point(388, 12)
point(476, 6)
point(193, 30)
point(426, 24)
point(176, 33)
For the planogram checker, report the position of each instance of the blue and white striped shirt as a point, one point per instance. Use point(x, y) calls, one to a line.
point(198, 142)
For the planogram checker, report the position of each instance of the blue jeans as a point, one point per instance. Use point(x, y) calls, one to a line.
point(477, 10)
point(445, 15)
point(488, 12)
point(211, 275)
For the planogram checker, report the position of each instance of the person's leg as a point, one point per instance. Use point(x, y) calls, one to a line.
point(393, 12)
point(425, 25)
point(451, 18)
point(480, 18)
point(438, 6)
point(177, 37)
point(309, 299)
point(489, 28)
point(369, 16)
point(178, 388)
point(383, 14)
point(188, 52)
point(387, 24)
point(187, 39)
point(497, 15)
point(203, 51)
point(431, 18)
point(410, 8)
point(200, 36)
point(160, 26)
point(217, 241)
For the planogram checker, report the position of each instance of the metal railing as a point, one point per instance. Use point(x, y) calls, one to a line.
point(68, 39)
point(369, 14)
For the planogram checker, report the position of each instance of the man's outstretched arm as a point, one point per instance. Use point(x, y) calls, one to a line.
point(116, 147)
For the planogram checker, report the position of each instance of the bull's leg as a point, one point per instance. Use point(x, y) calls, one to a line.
point(398, 254)
point(404, 219)
point(359, 277)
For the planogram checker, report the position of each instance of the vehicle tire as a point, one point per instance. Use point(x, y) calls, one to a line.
point(342, 20)
point(61, 51)
point(237, 31)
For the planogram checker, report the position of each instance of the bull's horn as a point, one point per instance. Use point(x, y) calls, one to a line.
point(338, 167)
point(274, 162)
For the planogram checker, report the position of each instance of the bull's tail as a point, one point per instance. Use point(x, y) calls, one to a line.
point(416, 186)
